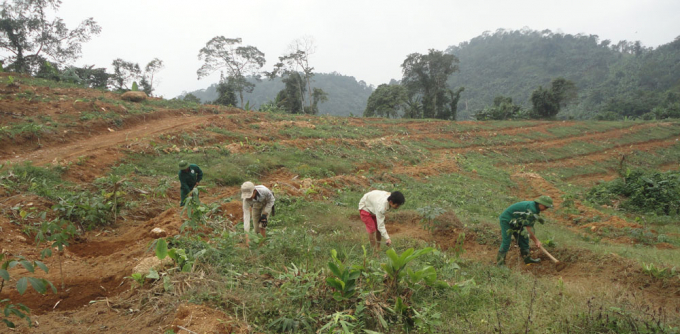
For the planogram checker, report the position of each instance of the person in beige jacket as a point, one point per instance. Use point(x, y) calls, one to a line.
point(260, 200)
point(372, 208)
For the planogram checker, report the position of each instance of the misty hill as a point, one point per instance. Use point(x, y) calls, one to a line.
point(346, 95)
point(614, 80)
point(624, 79)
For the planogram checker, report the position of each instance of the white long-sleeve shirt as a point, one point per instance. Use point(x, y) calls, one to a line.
point(376, 203)
point(265, 197)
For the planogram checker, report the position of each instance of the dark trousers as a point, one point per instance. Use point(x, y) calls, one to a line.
point(507, 232)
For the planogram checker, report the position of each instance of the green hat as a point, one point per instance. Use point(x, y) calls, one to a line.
point(183, 165)
point(545, 200)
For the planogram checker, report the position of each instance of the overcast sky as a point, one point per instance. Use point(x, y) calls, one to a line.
point(366, 39)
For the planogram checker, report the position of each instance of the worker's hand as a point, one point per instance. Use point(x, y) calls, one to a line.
point(263, 221)
point(388, 242)
point(538, 243)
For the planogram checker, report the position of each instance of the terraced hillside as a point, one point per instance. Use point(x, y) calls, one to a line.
point(113, 163)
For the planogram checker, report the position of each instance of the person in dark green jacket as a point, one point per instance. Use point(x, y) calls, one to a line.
point(189, 177)
point(514, 220)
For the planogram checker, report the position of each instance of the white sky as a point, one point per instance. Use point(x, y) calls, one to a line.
point(367, 39)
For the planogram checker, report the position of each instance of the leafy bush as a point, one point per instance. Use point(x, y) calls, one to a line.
point(86, 208)
point(394, 268)
point(345, 278)
point(430, 214)
point(26, 177)
point(502, 109)
point(39, 284)
point(641, 191)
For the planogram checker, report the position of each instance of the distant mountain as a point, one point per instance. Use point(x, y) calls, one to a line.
point(614, 80)
point(346, 95)
point(625, 78)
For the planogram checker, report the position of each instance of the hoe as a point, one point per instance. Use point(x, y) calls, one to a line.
point(559, 266)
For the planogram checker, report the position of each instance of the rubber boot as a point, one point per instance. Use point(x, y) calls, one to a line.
point(500, 259)
point(528, 259)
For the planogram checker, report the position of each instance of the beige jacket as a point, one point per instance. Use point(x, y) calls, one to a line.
point(376, 203)
point(265, 197)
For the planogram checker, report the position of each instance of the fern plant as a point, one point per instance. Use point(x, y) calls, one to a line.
point(397, 263)
point(345, 278)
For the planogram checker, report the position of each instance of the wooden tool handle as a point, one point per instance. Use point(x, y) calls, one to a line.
point(548, 254)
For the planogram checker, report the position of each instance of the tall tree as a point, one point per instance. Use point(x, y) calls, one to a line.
point(296, 60)
point(426, 76)
point(548, 102)
point(317, 96)
point(150, 70)
point(221, 53)
point(123, 73)
point(454, 97)
point(226, 94)
point(291, 97)
point(28, 37)
point(386, 101)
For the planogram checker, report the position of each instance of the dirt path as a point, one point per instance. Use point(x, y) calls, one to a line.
point(546, 143)
point(111, 139)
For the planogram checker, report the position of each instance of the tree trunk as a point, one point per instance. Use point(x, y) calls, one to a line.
point(309, 92)
point(302, 99)
point(61, 272)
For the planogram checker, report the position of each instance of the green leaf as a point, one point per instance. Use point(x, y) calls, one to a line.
point(338, 296)
point(22, 284)
point(334, 268)
point(392, 255)
point(47, 252)
point(172, 253)
point(8, 323)
point(441, 285)
point(42, 266)
point(335, 283)
point(186, 268)
point(167, 284)
point(54, 290)
point(182, 254)
point(404, 256)
point(38, 285)
point(27, 265)
point(4, 274)
point(152, 274)
point(354, 274)
point(161, 249)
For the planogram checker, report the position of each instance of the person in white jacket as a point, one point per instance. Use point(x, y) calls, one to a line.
point(372, 208)
point(260, 200)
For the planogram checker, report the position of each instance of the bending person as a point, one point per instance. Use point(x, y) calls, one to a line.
point(372, 208)
point(517, 218)
point(260, 201)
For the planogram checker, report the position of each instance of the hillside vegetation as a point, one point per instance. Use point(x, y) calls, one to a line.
point(346, 95)
point(614, 80)
point(101, 172)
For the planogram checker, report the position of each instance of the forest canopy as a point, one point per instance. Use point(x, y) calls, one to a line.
point(614, 80)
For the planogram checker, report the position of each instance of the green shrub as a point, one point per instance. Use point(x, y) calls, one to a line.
point(641, 191)
point(87, 208)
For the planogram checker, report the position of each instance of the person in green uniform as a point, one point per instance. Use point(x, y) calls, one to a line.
point(514, 220)
point(189, 177)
